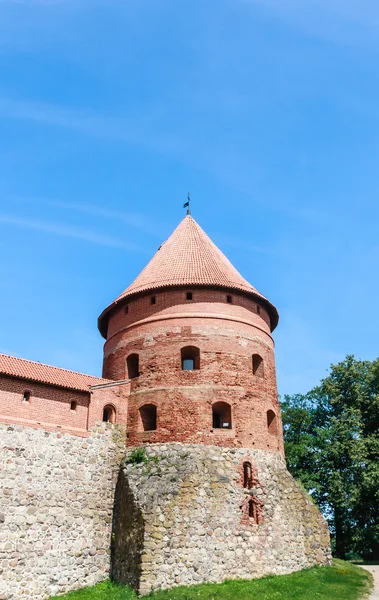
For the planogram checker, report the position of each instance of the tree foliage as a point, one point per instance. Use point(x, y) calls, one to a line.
point(332, 446)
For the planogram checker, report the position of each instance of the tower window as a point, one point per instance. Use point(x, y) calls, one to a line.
point(258, 367)
point(26, 397)
point(73, 405)
point(190, 356)
point(148, 417)
point(132, 363)
point(153, 300)
point(109, 414)
point(126, 309)
point(253, 511)
point(258, 310)
point(189, 296)
point(247, 475)
point(229, 299)
point(272, 423)
point(221, 415)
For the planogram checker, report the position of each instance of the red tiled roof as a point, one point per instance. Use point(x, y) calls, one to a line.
point(27, 369)
point(189, 257)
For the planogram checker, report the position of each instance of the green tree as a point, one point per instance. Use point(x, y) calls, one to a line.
point(332, 447)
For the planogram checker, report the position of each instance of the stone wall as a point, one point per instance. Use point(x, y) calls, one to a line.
point(56, 502)
point(183, 516)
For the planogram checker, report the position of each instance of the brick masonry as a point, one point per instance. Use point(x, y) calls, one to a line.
point(50, 407)
point(227, 336)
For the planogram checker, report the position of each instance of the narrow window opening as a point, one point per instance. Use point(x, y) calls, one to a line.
point(189, 295)
point(73, 405)
point(26, 397)
point(132, 363)
point(126, 309)
point(229, 299)
point(153, 300)
point(148, 417)
point(221, 415)
point(258, 310)
point(258, 368)
point(253, 512)
point(247, 475)
point(272, 423)
point(190, 357)
point(109, 414)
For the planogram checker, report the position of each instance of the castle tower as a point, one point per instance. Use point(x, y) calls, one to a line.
point(195, 339)
point(208, 496)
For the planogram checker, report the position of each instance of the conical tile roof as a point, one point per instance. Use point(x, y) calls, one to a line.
point(190, 258)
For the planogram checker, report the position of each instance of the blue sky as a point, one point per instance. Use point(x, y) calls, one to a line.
point(266, 110)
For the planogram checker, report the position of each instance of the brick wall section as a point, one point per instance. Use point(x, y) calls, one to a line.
point(227, 335)
point(116, 396)
point(49, 407)
point(172, 301)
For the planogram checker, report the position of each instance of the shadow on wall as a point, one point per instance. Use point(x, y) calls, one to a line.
point(127, 536)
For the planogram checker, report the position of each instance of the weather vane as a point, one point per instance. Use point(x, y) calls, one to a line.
point(187, 204)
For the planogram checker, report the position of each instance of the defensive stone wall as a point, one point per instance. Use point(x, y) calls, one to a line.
point(186, 514)
point(56, 502)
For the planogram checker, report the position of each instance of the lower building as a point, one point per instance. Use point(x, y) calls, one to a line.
point(168, 470)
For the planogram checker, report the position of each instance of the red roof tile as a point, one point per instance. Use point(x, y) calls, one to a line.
point(190, 258)
point(27, 369)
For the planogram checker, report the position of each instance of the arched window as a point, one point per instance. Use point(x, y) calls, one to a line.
point(272, 422)
point(258, 367)
point(132, 363)
point(26, 397)
point(190, 358)
point(221, 415)
point(247, 475)
point(148, 417)
point(109, 414)
point(73, 405)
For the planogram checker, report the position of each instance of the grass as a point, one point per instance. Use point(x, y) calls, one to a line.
point(341, 581)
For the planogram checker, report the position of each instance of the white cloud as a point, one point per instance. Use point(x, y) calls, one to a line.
point(137, 221)
point(80, 234)
point(340, 20)
point(136, 129)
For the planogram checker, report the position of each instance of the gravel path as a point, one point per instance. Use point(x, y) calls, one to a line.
point(374, 569)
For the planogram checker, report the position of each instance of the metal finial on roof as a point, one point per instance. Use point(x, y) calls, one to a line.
point(187, 204)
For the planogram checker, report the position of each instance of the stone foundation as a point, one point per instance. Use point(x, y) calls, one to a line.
point(56, 502)
point(183, 516)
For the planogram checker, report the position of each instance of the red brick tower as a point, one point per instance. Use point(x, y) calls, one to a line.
point(195, 339)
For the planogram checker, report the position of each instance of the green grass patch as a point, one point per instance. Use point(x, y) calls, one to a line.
point(341, 581)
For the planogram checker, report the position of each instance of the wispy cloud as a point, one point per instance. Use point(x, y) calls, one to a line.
point(340, 20)
point(204, 155)
point(137, 130)
point(72, 232)
point(137, 221)
point(241, 244)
